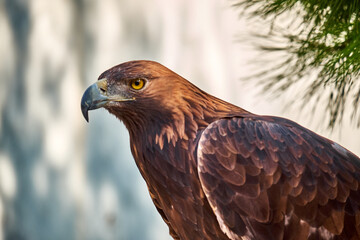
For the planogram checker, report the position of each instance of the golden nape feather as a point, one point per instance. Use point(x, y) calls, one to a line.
point(217, 171)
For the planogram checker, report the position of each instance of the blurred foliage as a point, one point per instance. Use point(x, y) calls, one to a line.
point(321, 39)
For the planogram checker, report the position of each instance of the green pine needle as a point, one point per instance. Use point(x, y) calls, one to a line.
point(325, 48)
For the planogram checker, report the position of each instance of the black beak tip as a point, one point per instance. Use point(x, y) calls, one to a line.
point(85, 112)
point(86, 115)
point(85, 109)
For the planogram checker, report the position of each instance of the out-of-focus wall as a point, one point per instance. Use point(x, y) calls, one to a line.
point(61, 178)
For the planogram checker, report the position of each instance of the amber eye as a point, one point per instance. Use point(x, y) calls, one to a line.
point(137, 84)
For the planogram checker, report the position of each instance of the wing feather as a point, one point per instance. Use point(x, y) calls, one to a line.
point(264, 177)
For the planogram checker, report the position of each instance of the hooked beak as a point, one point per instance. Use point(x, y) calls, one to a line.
point(96, 96)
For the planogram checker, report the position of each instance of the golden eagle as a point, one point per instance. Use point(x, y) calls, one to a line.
point(217, 171)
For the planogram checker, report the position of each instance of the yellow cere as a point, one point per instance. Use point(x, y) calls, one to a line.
point(137, 84)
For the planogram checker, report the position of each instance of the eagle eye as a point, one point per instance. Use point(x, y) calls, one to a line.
point(137, 84)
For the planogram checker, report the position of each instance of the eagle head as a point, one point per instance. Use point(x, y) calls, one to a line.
point(135, 92)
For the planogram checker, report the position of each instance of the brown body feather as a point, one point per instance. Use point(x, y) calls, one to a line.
point(216, 171)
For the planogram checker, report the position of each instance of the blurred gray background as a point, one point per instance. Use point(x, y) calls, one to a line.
point(62, 178)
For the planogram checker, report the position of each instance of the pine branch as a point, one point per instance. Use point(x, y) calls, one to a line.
point(323, 48)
